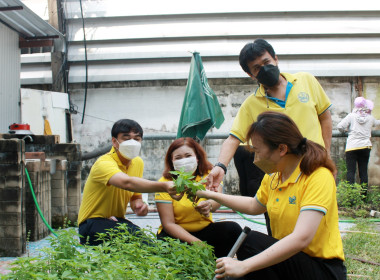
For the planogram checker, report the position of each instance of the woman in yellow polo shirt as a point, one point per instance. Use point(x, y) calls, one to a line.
point(180, 219)
point(299, 194)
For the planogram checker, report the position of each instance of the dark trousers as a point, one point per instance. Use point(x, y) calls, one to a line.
point(301, 266)
point(90, 229)
point(361, 158)
point(250, 176)
point(221, 235)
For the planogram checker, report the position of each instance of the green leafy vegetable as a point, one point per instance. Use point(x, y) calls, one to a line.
point(185, 183)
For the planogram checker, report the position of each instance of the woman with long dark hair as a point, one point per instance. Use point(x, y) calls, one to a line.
point(180, 219)
point(299, 194)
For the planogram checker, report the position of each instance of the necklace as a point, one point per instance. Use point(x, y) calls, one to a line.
point(278, 181)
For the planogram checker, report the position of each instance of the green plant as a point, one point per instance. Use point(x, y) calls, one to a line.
point(185, 183)
point(122, 256)
point(349, 195)
point(342, 170)
point(373, 197)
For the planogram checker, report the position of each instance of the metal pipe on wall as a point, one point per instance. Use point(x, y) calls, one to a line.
point(172, 136)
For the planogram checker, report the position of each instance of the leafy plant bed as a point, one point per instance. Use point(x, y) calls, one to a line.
point(357, 212)
point(123, 256)
point(353, 203)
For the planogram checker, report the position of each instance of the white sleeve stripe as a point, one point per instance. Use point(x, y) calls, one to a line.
point(164, 201)
point(315, 208)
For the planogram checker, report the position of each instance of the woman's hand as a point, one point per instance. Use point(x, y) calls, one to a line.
point(214, 178)
point(204, 207)
point(229, 267)
point(203, 194)
point(172, 191)
point(141, 208)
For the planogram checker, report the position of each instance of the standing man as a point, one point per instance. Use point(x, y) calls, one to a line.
point(114, 181)
point(299, 95)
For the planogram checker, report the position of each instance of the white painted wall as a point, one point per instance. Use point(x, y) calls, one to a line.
point(9, 78)
point(38, 104)
point(158, 108)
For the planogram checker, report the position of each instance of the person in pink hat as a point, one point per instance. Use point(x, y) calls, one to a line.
point(358, 124)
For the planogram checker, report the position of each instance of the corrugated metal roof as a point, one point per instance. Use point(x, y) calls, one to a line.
point(152, 40)
point(25, 22)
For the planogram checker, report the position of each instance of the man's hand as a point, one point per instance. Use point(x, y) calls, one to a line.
point(171, 190)
point(141, 208)
point(214, 178)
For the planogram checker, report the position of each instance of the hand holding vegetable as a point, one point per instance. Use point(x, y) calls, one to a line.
point(172, 191)
point(204, 207)
point(185, 183)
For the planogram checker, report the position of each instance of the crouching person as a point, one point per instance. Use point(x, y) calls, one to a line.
point(114, 181)
point(299, 194)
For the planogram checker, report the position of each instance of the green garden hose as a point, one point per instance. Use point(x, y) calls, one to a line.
point(248, 219)
point(260, 223)
point(38, 207)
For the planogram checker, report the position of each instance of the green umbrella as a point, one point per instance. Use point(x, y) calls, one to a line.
point(200, 109)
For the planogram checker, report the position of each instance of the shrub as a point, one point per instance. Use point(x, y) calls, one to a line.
point(373, 197)
point(349, 195)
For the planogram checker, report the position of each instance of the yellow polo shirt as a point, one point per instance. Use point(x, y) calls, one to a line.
point(185, 214)
point(284, 202)
point(305, 102)
point(101, 200)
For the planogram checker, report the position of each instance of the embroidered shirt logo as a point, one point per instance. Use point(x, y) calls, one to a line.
point(292, 199)
point(303, 97)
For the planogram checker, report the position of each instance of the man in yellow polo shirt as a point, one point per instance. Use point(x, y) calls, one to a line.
point(114, 181)
point(299, 95)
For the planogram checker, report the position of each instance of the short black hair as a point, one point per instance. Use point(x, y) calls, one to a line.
point(126, 126)
point(251, 51)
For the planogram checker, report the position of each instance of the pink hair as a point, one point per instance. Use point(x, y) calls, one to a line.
point(369, 104)
point(363, 106)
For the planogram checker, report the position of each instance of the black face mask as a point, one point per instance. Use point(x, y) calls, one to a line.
point(268, 75)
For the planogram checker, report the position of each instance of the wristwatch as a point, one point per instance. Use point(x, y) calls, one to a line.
point(221, 165)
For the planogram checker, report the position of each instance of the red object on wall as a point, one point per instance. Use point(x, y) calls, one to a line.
point(20, 128)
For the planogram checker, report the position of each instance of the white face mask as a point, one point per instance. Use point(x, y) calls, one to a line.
point(129, 148)
point(189, 164)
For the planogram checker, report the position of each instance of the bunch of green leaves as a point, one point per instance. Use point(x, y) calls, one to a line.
point(121, 256)
point(350, 195)
point(185, 183)
point(342, 170)
point(373, 197)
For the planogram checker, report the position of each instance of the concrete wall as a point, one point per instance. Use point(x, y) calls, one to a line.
point(12, 192)
point(157, 107)
point(54, 172)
